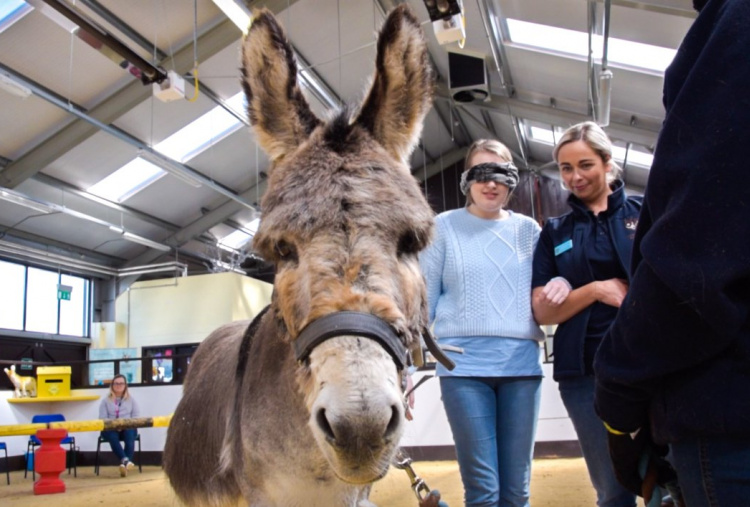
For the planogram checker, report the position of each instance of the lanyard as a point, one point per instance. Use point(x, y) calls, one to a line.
point(117, 408)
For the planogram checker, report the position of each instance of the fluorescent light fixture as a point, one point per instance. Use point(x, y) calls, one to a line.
point(171, 166)
point(145, 241)
point(13, 87)
point(22, 200)
point(605, 97)
point(118, 230)
point(238, 14)
point(557, 40)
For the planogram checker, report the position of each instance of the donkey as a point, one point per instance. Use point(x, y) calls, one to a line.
point(305, 406)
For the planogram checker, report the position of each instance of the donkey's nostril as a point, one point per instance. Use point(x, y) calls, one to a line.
point(324, 425)
point(394, 423)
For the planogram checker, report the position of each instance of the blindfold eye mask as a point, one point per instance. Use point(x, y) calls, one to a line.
point(505, 174)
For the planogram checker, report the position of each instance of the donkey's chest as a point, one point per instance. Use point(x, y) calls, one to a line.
point(281, 489)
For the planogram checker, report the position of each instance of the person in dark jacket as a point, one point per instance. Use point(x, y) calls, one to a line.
point(580, 276)
point(676, 360)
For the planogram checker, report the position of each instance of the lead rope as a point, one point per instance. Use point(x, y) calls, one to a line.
point(425, 496)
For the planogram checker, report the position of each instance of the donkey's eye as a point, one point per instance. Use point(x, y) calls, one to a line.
point(409, 244)
point(285, 251)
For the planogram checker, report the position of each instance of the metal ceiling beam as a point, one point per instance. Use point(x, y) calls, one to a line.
point(443, 162)
point(214, 217)
point(229, 208)
point(497, 31)
point(124, 210)
point(123, 27)
point(671, 7)
point(88, 31)
point(146, 151)
point(644, 135)
point(218, 38)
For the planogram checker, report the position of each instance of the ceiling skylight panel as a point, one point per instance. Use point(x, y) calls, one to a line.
point(127, 180)
point(570, 42)
point(542, 135)
point(199, 135)
point(239, 238)
point(11, 11)
point(635, 157)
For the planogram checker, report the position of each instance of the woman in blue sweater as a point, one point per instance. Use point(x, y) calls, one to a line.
point(580, 278)
point(478, 275)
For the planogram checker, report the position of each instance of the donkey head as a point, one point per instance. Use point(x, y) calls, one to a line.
point(343, 221)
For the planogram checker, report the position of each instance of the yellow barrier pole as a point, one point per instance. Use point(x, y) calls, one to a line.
point(82, 426)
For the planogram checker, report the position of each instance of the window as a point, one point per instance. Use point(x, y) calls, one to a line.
point(41, 301)
point(12, 295)
point(31, 300)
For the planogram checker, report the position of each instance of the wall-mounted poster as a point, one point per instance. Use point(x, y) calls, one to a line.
point(101, 373)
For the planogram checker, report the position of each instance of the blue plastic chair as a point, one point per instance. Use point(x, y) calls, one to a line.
point(3, 447)
point(34, 442)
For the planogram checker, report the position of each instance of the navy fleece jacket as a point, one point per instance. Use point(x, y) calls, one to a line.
point(678, 352)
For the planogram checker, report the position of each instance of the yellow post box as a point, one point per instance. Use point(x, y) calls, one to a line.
point(53, 381)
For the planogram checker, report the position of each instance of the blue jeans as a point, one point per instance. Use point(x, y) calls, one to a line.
point(493, 420)
point(578, 397)
point(713, 472)
point(128, 438)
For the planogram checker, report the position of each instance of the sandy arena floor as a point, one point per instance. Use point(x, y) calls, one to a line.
point(555, 482)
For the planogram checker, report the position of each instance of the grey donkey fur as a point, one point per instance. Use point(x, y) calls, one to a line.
point(343, 221)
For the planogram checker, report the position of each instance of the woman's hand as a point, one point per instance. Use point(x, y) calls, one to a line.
point(611, 292)
point(556, 291)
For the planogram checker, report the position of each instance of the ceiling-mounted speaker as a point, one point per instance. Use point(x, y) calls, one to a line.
point(467, 76)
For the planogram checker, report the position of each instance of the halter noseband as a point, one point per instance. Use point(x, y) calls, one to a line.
point(336, 324)
point(366, 325)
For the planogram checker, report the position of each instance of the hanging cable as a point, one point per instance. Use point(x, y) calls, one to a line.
point(196, 83)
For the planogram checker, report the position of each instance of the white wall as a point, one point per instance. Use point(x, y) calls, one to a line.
point(152, 401)
point(187, 309)
point(429, 427)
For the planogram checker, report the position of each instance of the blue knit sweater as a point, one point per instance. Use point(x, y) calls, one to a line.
point(478, 275)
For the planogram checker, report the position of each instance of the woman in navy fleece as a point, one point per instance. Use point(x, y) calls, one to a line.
point(580, 278)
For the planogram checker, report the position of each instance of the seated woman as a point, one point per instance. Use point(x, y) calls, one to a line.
point(120, 405)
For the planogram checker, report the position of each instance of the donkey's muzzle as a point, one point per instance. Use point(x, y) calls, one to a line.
point(361, 324)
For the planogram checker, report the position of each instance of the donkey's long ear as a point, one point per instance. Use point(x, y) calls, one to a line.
point(277, 109)
point(401, 92)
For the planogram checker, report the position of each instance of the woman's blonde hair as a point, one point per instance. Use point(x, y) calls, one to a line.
point(488, 145)
point(125, 393)
point(596, 139)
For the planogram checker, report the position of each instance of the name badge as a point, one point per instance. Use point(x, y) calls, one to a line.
point(563, 247)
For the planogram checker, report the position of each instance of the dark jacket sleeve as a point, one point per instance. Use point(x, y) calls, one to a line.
point(689, 297)
point(544, 268)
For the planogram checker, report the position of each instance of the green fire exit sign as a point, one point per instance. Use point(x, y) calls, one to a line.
point(63, 292)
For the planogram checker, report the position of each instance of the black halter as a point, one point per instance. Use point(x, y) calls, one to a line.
point(350, 323)
point(367, 326)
